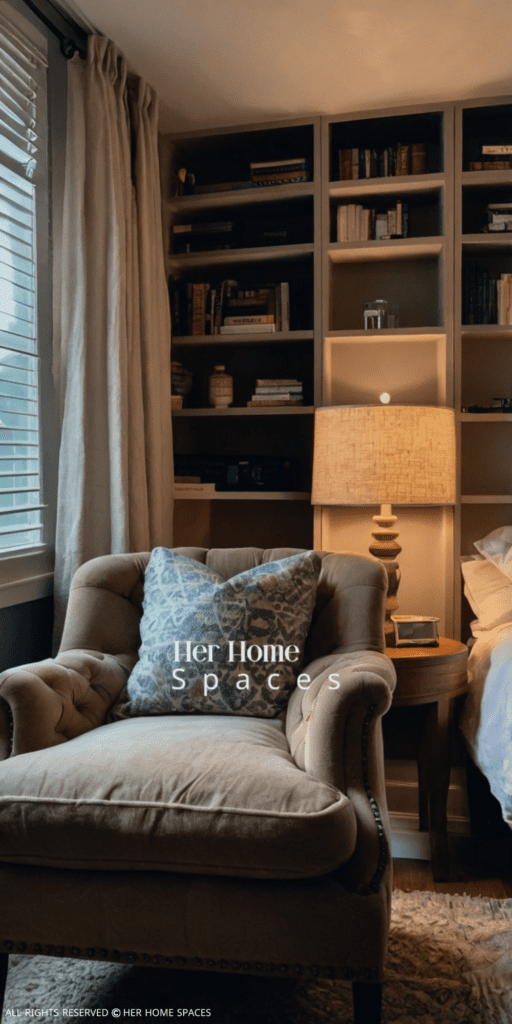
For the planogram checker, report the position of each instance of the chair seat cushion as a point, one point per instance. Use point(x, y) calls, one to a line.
point(202, 794)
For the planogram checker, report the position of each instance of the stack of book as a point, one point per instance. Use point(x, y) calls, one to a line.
point(389, 161)
point(489, 156)
point(276, 391)
point(499, 217)
point(279, 172)
point(257, 310)
point(355, 223)
point(192, 486)
point(201, 237)
point(199, 308)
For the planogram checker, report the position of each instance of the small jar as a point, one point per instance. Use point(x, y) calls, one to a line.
point(220, 389)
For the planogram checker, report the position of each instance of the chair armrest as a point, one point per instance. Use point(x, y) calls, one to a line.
point(334, 733)
point(52, 701)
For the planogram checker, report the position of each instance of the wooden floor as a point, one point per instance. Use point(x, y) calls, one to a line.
point(478, 868)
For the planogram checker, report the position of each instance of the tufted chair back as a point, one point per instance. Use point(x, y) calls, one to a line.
point(105, 603)
point(52, 701)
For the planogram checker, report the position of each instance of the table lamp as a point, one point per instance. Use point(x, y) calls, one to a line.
point(384, 455)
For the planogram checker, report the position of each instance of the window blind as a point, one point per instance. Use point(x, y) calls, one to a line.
point(22, 174)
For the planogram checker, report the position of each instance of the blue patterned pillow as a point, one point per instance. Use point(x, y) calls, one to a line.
point(221, 646)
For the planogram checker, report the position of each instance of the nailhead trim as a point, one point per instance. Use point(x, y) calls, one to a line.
point(381, 835)
point(10, 719)
point(314, 970)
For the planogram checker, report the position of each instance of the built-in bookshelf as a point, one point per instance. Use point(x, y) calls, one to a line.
point(387, 230)
point(242, 235)
point(483, 321)
point(402, 205)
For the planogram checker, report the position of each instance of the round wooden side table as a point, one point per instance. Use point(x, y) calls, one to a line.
point(433, 676)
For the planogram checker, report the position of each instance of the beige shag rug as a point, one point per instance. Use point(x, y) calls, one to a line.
point(450, 962)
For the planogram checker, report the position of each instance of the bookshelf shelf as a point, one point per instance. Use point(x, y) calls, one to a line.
point(477, 242)
point(486, 499)
point(406, 334)
point(299, 410)
point(239, 197)
point(381, 186)
point(269, 338)
point(356, 252)
point(499, 177)
point(247, 496)
point(483, 331)
point(485, 417)
point(210, 258)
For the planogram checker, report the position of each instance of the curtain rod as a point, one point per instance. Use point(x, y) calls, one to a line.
point(72, 38)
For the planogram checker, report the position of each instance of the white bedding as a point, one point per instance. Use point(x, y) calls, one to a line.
point(486, 720)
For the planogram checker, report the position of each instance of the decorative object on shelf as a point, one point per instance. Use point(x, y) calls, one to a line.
point(416, 630)
point(276, 391)
point(375, 314)
point(181, 380)
point(176, 402)
point(220, 388)
point(185, 182)
point(371, 455)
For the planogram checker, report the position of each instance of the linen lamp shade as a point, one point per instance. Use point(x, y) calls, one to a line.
point(384, 454)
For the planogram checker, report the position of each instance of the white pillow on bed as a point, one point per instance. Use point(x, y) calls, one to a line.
point(488, 591)
point(496, 543)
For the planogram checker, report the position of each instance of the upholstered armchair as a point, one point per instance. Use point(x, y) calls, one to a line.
point(213, 842)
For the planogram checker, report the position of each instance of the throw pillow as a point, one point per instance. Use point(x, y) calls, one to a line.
point(221, 646)
point(489, 593)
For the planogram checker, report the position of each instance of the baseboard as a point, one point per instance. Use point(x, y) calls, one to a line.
point(402, 795)
point(408, 842)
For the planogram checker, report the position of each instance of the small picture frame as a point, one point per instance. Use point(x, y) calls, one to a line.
point(416, 630)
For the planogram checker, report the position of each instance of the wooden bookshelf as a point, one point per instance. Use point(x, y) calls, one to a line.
point(223, 156)
point(483, 351)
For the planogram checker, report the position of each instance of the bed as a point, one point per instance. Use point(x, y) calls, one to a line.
point(486, 720)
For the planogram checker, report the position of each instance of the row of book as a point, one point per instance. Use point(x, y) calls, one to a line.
point(288, 170)
point(279, 172)
point(356, 223)
point(199, 308)
point(486, 299)
point(276, 392)
point(204, 236)
point(485, 155)
point(389, 161)
point(499, 217)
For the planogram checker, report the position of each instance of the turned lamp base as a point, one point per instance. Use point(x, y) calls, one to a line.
point(386, 549)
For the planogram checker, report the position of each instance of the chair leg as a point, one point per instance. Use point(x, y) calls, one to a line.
point(367, 998)
point(4, 963)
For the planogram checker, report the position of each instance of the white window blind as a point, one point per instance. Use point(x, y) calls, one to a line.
point(22, 174)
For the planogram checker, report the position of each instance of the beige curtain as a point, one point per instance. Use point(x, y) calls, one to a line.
point(112, 336)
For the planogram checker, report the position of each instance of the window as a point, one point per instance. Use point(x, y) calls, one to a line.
point(22, 176)
point(32, 155)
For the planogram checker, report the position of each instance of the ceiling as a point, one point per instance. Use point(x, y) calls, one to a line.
point(224, 62)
